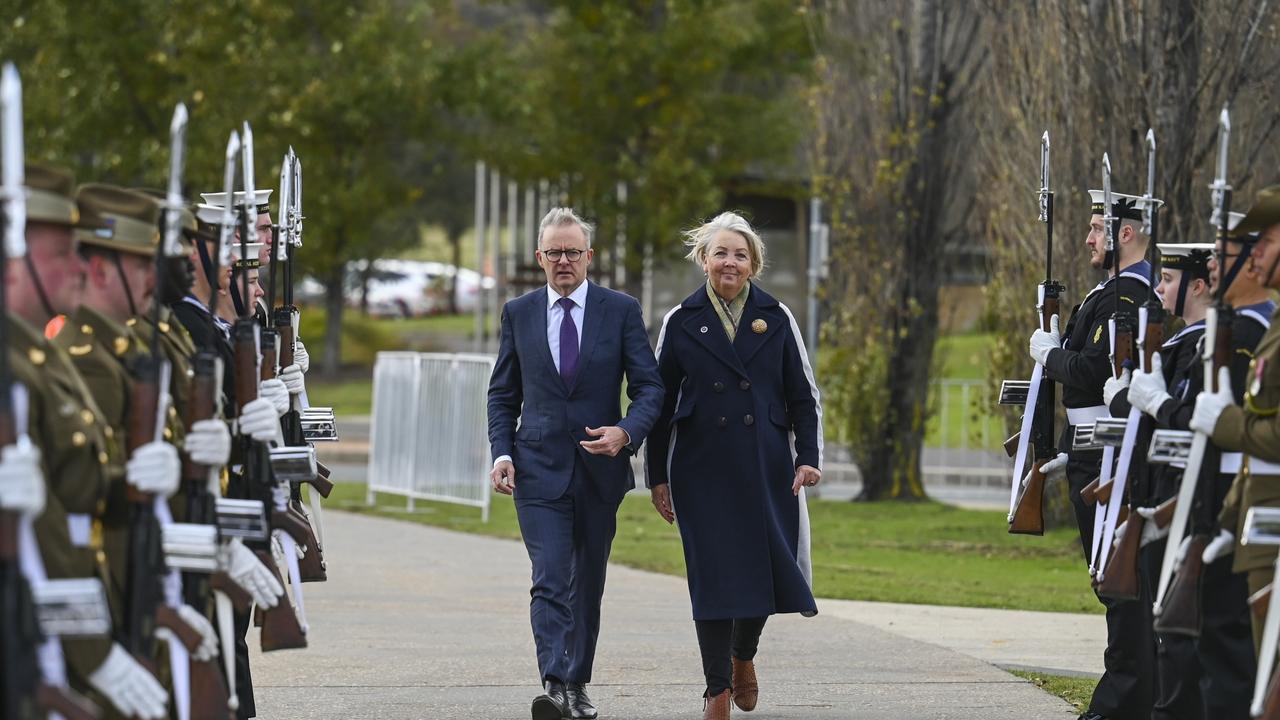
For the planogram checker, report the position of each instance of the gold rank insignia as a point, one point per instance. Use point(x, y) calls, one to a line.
point(36, 356)
point(120, 345)
point(80, 349)
point(758, 326)
point(1097, 334)
point(164, 326)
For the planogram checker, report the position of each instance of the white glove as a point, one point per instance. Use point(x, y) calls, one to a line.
point(1221, 546)
point(1209, 405)
point(154, 468)
point(208, 648)
point(1148, 392)
point(1114, 385)
point(1053, 470)
point(275, 391)
point(1150, 531)
point(301, 357)
point(1042, 342)
point(22, 487)
point(258, 420)
point(129, 687)
point(1182, 552)
point(208, 442)
point(250, 574)
point(291, 376)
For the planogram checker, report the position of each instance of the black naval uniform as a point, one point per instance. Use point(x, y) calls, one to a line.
point(1177, 687)
point(207, 333)
point(1082, 367)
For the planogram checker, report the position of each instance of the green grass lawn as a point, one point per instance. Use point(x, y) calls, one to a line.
point(970, 417)
point(347, 397)
point(1075, 690)
point(925, 553)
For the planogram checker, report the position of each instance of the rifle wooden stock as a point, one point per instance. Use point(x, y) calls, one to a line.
point(268, 343)
point(1103, 491)
point(168, 618)
point(1120, 578)
point(1164, 512)
point(311, 564)
point(311, 567)
point(66, 702)
point(321, 483)
point(280, 627)
point(284, 327)
point(323, 470)
point(1089, 493)
point(209, 694)
point(240, 599)
point(246, 363)
point(1271, 704)
point(1259, 601)
point(1181, 612)
point(1028, 513)
point(1011, 445)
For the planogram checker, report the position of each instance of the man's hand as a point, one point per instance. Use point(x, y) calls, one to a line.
point(1222, 545)
point(1114, 385)
point(1149, 390)
point(609, 440)
point(806, 476)
point(661, 497)
point(503, 477)
point(1209, 405)
point(1042, 342)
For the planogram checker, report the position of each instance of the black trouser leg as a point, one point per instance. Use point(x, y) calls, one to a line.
point(714, 640)
point(746, 637)
point(1125, 689)
point(1227, 662)
point(1177, 686)
point(244, 680)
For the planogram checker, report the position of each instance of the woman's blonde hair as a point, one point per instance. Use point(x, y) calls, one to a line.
point(699, 239)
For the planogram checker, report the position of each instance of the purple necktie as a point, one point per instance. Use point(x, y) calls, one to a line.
point(568, 342)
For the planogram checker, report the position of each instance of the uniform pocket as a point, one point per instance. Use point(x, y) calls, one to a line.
point(779, 417)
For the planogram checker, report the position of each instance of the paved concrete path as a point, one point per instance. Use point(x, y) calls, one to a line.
point(417, 622)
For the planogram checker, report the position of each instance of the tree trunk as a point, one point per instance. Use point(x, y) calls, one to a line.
point(455, 243)
point(364, 287)
point(334, 305)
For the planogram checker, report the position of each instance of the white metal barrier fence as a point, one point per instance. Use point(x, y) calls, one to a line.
point(428, 439)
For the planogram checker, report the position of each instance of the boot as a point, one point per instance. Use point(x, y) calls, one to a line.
point(745, 689)
point(716, 707)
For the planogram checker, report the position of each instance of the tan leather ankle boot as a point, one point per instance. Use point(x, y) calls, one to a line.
point(716, 707)
point(745, 689)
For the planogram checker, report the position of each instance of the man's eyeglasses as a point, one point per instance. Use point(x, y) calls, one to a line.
point(555, 255)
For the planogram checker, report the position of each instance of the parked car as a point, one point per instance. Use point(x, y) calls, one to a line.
point(411, 288)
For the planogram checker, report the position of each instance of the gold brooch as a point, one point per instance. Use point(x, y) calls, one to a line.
point(758, 326)
point(121, 345)
point(36, 356)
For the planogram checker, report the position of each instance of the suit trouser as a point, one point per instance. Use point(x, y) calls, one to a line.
point(1177, 688)
point(1225, 645)
point(568, 540)
point(1125, 690)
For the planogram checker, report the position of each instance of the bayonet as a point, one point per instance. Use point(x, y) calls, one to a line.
point(173, 197)
point(14, 194)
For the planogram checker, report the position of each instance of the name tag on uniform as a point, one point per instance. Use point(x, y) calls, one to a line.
point(80, 527)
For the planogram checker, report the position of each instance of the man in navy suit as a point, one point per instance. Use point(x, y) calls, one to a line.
point(563, 353)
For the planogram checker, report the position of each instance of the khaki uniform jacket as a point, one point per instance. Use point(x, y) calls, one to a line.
point(1253, 429)
point(178, 349)
point(101, 350)
point(77, 449)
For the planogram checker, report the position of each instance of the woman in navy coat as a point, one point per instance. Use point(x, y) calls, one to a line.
point(738, 439)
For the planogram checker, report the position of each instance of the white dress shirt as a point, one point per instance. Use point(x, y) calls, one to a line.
point(555, 318)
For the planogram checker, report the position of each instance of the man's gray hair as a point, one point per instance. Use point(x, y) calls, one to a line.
point(698, 240)
point(562, 217)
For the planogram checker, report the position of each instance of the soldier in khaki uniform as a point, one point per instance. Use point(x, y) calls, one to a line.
point(1254, 428)
point(77, 446)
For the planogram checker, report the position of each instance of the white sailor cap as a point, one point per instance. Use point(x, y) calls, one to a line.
point(1186, 256)
point(261, 198)
point(1125, 207)
point(247, 255)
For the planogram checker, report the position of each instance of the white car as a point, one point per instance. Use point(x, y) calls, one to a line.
point(411, 288)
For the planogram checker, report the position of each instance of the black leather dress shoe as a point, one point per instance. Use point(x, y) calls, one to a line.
point(1091, 715)
point(580, 706)
point(553, 705)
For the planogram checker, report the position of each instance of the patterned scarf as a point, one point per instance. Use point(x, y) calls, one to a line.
point(730, 312)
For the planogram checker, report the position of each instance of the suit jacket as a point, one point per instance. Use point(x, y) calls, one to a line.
point(553, 416)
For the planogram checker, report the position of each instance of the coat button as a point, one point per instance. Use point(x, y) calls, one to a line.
point(747, 420)
point(745, 384)
point(718, 387)
point(722, 421)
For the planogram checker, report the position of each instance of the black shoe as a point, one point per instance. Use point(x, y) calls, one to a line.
point(1091, 715)
point(553, 705)
point(580, 706)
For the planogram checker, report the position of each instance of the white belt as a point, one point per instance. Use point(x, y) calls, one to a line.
point(79, 526)
point(1085, 416)
point(1232, 462)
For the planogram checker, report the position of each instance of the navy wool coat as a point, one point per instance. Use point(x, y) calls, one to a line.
point(736, 420)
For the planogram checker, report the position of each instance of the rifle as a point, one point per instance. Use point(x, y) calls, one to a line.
point(1177, 598)
point(1118, 577)
point(281, 628)
point(1107, 513)
point(1026, 504)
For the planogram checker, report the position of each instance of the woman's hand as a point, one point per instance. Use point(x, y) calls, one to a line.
point(661, 496)
point(806, 476)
